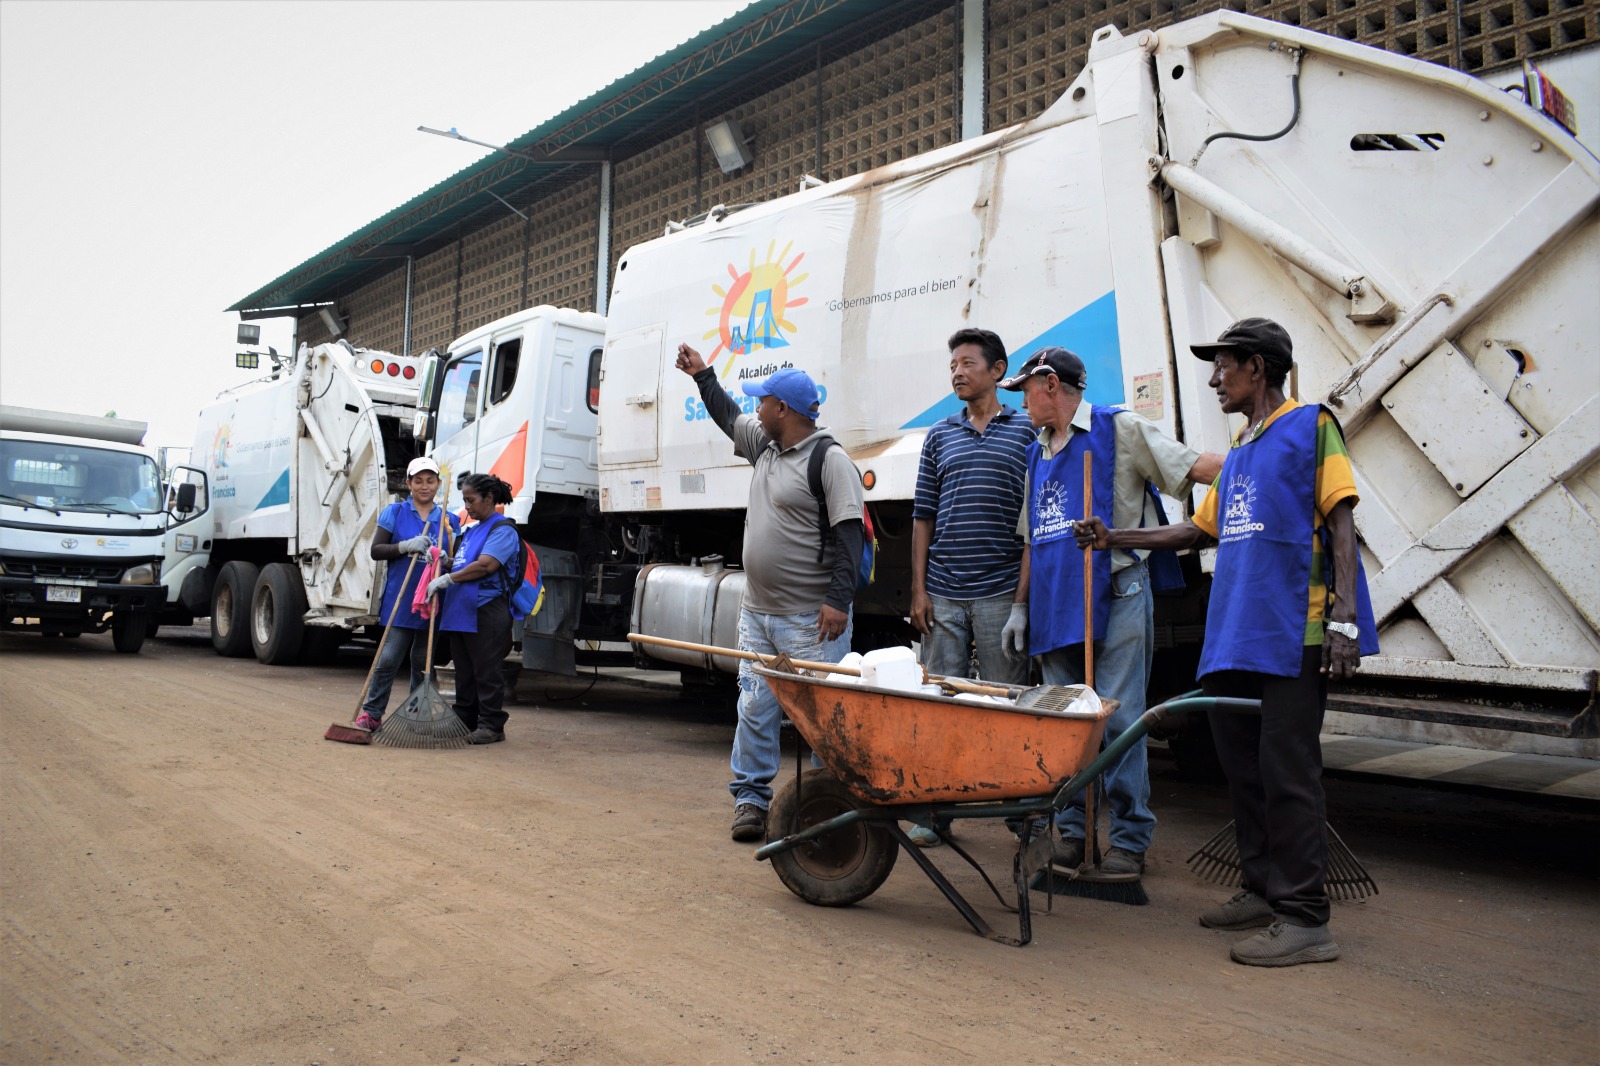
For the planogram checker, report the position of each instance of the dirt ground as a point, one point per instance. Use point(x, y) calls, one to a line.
point(191, 874)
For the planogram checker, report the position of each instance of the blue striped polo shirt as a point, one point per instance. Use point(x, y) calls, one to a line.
point(971, 484)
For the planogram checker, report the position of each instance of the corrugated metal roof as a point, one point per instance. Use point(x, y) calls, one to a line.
point(755, 37)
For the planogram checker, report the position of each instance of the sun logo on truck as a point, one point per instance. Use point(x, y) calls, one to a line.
point(219, 447)
point(754, 309)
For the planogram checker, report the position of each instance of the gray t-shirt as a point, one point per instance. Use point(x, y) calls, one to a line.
point(780, 532)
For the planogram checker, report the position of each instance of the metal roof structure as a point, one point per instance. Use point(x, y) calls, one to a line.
point(544, 159)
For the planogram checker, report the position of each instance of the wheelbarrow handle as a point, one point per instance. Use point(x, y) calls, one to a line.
point(959, 684)
point(1187, 703)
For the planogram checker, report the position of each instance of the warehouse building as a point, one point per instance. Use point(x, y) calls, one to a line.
point(782, 93)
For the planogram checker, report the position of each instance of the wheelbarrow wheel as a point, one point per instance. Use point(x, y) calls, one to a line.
point(836, 870)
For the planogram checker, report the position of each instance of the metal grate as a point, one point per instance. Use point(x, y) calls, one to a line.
point(77, 570)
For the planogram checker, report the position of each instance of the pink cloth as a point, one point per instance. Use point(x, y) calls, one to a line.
point(421, 603)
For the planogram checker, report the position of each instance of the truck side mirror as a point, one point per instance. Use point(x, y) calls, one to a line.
point(420, 427)
point(186, 496)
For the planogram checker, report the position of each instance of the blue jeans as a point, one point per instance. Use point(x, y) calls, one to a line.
point(755, 741)
point(402, 642)
point(1122, 672)
point(960, 623)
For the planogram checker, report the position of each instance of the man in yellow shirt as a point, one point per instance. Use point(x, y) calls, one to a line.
point(1288, 612)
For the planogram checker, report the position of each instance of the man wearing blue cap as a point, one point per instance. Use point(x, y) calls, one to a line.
point(1130, 455)
point(799, 586)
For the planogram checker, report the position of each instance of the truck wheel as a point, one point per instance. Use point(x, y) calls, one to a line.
point(128, 631)
point(278, 615)
point(835, 870)
point(230, 609)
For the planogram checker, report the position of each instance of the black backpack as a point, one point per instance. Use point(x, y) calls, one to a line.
point(866, 569)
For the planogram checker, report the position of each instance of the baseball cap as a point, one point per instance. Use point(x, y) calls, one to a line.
point(419, 464)
point(1058, 361)
point(1254, 336)
point(791, 385)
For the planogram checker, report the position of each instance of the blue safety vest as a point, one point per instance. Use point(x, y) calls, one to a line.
point(1256, 619)
point(407, 524)
point(1055, 562)
point(460, 613)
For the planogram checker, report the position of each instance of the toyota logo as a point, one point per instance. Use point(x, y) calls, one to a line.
point(69, 542)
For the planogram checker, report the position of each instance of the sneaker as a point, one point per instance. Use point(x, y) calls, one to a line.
point(484, 735)
point(1068, 854)
point(1245, 910)
point(749, 822)
point(923, 837)
point(1121, 863)
point(1286, 945)
point(367, 722)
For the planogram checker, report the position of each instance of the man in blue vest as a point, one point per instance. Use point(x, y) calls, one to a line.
point(1130, 453)
point(1288, 613)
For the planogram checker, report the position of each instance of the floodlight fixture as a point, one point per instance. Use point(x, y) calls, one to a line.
point(728, 144)
point(249, 334)
point(330, 319)
point(247, 360)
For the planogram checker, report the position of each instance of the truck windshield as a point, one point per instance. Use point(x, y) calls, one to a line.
point(74, 477)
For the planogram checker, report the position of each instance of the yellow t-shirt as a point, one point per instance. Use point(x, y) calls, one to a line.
point(1335, 482)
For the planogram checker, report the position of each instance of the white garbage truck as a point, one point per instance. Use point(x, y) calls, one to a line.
point(300, 463)
point(1431, 243)
point(91, 536)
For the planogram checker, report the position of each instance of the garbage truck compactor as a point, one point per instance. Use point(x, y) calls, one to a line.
point(1431, 244)
point(300, 464)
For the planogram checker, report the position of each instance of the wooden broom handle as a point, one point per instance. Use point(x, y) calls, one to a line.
point(1088, 573)
point(959, 684)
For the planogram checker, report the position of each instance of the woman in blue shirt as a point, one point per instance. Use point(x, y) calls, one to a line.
point(477, 607)
point(405, 529)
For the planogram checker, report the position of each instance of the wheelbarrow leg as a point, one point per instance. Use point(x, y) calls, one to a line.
point(959, 902)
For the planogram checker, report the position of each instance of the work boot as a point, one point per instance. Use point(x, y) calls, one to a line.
point(484, 735)
point(1068, 854)
point(749, 822)
point(1245, 910)
point(1121, 863)
point(1286, 945)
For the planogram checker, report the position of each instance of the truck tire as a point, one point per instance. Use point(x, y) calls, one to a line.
point(230, 609)
point(278, 615)
point(128, 631)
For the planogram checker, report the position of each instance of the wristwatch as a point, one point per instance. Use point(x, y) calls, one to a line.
point(1348, 630)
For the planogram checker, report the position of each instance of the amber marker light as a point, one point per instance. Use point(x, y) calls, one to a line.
point(376, 366)
point(868, 479)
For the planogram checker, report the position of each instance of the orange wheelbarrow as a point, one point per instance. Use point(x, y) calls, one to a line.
point(892, 756)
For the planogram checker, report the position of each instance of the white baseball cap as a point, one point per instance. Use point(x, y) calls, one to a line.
point(420, 464)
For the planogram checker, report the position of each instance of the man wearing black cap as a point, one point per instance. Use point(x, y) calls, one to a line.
point(1130, 456)
point(1288, 611)
point(798, 588)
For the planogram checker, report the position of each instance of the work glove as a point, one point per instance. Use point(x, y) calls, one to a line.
point(417, 545)
point(438, 584)
point(1014, 637)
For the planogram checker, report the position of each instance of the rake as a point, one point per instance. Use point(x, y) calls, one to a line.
point(425, 720)
point(349, 734)
point(1217, 861)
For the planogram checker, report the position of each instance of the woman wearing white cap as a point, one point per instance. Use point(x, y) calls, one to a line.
point(408, 527)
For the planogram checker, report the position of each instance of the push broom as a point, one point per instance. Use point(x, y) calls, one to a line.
point(425, 720)
point(1087, 881)
point(349, 734)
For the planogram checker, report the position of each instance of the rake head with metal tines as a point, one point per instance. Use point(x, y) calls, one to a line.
point(1217, 861)
point(424, 720)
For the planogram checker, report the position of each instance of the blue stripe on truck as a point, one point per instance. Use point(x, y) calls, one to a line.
point(278, 494)
point(1091, 332)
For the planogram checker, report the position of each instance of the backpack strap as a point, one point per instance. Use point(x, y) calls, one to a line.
point(819, 453)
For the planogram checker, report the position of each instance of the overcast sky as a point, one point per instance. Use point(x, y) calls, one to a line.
point(160, 161)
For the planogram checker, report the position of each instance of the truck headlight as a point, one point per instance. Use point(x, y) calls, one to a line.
point(144, 574)
point(185, 542)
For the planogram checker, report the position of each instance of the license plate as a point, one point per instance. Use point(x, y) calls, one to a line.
point(62, 594)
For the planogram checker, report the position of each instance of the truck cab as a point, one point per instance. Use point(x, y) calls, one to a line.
point(88, 527)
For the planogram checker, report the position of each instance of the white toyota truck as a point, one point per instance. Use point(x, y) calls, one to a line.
point(91, 538)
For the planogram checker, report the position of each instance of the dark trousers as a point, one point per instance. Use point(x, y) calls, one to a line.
point(1274, 767)
point(480, 686)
